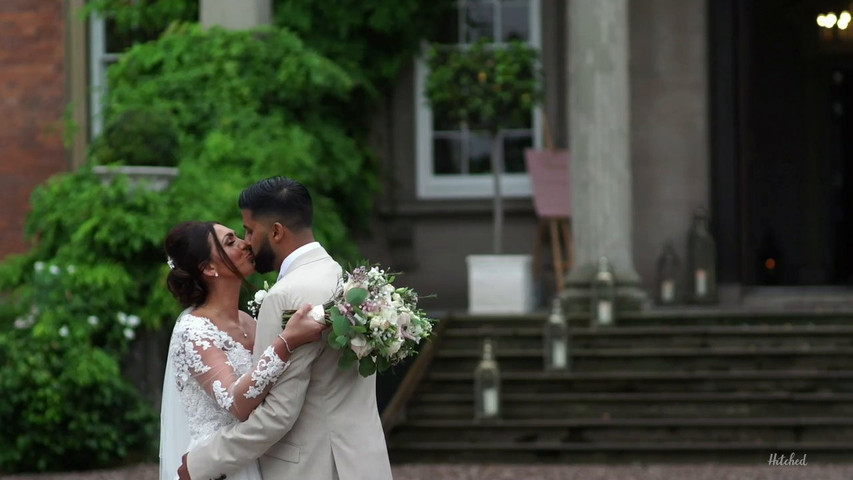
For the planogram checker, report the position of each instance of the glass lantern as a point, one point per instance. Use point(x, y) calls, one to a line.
point(669, 267)
point(701, 261)
point(556, 339)
point(603, 295)
point(487, 386)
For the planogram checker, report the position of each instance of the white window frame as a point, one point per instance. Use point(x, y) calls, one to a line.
point(99, 61)
point(446, 186)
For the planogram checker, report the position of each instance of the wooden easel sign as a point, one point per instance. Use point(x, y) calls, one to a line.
point(549, 175)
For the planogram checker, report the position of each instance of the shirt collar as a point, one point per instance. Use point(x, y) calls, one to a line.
point(288, 261)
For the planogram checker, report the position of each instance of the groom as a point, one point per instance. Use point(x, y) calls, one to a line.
point(318, 422)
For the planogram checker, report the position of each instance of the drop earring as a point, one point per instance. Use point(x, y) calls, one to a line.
point(215, 273)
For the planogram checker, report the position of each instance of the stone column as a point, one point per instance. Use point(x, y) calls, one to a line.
point(235, 14)
point(599, 146)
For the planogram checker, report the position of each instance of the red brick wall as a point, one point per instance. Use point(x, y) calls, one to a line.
point(32, 100)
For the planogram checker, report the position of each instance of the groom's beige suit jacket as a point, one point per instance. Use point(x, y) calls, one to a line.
point(318, 422)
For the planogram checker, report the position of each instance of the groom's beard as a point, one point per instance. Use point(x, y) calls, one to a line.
point(264, 258)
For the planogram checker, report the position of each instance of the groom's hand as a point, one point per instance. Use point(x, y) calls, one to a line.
point(183, 471)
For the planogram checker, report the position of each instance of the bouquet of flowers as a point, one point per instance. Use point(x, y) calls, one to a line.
point(374, 323)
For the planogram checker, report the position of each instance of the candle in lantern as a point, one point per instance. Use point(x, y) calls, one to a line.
point(490, 401)
point(667, 291)
point(605, 312)
point(558, 354)
point(701, 282)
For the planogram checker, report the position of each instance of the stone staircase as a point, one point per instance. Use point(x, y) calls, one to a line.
point(662, 385)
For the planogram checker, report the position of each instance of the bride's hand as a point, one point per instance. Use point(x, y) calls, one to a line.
point(302, 329)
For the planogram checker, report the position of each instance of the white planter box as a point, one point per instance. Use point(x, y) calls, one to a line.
point(500, 283)
point(156, 178)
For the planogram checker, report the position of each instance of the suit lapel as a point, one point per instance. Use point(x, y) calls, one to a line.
point(307, 258)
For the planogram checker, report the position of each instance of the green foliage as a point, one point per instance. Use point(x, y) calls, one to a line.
point(138, 137)
point(249, 105)
point(144, 19)
point(372, 39)
point(67, 405)
point(485, 87)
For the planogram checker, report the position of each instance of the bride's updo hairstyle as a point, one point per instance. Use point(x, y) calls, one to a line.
point(188, 247)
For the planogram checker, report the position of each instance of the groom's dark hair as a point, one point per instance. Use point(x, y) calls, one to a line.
point(281, 199)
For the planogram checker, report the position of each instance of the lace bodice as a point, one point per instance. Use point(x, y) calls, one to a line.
point(215, 376)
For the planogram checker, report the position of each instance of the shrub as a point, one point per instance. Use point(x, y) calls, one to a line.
point(143, 136)
point(66, 403)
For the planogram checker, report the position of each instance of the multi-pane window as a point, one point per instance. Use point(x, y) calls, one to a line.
point(454, 161)
point(106, 44)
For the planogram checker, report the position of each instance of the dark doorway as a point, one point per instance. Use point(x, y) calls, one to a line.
point(782, 136)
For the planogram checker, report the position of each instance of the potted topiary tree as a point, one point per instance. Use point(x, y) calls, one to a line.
point(141, 143)
point(489, 87)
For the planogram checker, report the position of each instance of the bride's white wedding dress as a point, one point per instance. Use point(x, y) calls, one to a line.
point(210, 377)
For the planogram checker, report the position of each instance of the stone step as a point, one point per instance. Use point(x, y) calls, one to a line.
point(641, 430)
point(664, 384)
point(664, 317)
point(690, 336)
point(460, 406)
point(656, 359)
point(795, 381)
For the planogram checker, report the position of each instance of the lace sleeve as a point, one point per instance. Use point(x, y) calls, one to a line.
point(201, 356)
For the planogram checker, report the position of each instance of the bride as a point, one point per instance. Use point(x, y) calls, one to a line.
point(211, 379)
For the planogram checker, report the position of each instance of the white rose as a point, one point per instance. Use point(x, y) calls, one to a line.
point(389, 315)
point(63, 332)
point(39, 266)
point(54, 270)
point(133, 321)
point(379, 323)
point(129, 333)
point(259, 296)
point(395, 347)
point(93, 320)
point(20, 323)
point(376, 323)
point(404, 320)
point(359, 345)
point(318, 314)
point(122, 318)
point(396, 300)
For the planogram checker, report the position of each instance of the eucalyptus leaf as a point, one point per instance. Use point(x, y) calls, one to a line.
point(356, 296)
point(382, 364)
point(340, 325)
point(347, 360)
point(366, 367)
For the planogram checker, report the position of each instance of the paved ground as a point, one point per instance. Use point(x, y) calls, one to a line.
point(541, 472)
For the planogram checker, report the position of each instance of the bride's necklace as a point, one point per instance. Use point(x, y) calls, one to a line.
point(245, 335)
